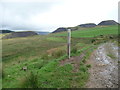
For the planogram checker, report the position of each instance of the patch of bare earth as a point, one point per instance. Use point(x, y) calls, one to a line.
point(75, 61)
point(104, 70)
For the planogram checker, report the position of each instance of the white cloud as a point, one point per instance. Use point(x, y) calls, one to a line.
point(119, 12)
point(74, 12)
point(29, 1)
point(51, 14)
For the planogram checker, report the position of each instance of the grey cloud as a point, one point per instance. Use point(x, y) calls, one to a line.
point(16, 15)
point(119, 12)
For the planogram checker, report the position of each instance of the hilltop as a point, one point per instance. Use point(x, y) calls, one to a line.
point(87, 25)
point(61, 29)
point(6, 31)
point(19, 34)
point(108, 22)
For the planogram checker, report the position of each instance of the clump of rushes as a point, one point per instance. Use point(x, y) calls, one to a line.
point(30, 81)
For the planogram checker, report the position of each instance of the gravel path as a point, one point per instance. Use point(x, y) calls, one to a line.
point(104, 70)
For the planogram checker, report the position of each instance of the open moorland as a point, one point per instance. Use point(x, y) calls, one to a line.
point(41, 61)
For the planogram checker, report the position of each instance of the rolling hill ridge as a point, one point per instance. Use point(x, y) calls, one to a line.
point(87, 25)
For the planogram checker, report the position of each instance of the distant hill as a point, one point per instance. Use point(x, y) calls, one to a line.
point(108, 22)
point(60, 30)
point(19, 34)
point(6, 31)
point(81, 26)
point(88, 25)
point(42, 33)
point(92, 32)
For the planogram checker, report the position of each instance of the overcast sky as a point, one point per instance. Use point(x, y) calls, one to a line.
point(48, 15)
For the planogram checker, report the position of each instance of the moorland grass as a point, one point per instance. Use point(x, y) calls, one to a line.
point(32, 52)
point(92, 32)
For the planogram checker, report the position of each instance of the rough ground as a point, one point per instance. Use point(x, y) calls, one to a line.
point(75, 61)
point(104, 70)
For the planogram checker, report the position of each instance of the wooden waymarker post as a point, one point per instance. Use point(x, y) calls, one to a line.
point(69, 43)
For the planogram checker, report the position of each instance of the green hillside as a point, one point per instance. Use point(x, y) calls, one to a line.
point(92, 32)
point(39, 61)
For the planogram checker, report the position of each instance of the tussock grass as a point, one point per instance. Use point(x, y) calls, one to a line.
point(30, 81)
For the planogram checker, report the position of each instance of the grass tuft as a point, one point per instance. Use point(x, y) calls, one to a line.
point(88, 66)
point(30, 81)
point(74, 50)
point(58, 53)
point(83, 68)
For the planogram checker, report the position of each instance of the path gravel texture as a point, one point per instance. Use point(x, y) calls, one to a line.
point(104, 70)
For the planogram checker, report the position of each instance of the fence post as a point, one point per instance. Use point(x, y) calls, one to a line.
point(69, 43)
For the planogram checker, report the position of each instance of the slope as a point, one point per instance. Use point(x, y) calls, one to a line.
point(92, 32)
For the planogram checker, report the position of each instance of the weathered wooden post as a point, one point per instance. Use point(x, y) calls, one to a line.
point(69, 43)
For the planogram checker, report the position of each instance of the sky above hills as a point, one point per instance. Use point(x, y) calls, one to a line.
point(48, 15)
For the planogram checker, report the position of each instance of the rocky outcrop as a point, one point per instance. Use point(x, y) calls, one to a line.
point(88, 25)
point(108, 22)
point(19, 34)
point(60, 30)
